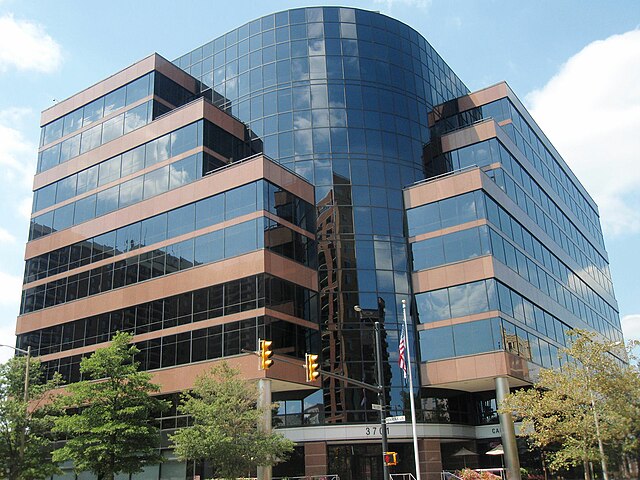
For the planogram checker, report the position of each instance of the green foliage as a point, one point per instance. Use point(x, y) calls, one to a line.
point(35, 421)
point(113, 430)
point(224, 431)
point(558, 413)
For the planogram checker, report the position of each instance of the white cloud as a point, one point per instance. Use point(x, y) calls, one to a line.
point(24, 206)
point(10, 287)
point(10, 291)
point(7, 337)
point(17, 154)
point(26, 46)
point(6, 237)
point(591, 112)
point(631, 327)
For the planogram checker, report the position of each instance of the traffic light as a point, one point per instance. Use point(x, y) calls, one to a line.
point(311, 367)
point(265, 354)
point(391, 458)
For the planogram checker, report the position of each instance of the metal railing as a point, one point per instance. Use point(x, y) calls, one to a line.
point(445, 174)
point(402, 476)
point(444, 475)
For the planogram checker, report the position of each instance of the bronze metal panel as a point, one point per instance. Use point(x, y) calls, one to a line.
point(233, 176)
point(146, 65)
point(453, 274)
point(199, 277)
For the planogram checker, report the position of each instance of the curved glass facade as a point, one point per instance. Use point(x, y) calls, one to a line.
point(341, 96)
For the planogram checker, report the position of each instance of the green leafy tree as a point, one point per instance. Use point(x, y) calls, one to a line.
point(224, 431)
point(558, 414)
point(29, 456)
point(113, 430)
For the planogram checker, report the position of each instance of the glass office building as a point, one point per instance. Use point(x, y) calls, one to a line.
point(266, 183)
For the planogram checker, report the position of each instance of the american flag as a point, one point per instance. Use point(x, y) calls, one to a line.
point(402, 362)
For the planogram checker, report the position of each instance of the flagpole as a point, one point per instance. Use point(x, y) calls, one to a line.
point(413, 405)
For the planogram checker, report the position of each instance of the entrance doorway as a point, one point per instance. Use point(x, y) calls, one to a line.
point(363, 461)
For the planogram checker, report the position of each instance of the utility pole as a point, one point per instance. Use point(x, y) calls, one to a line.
point(381, 397)
point(381, 401)
point(265, 353)
point(264, 402)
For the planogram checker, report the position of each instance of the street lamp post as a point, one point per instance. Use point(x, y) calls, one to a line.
point(381, 399)
point(25, 396)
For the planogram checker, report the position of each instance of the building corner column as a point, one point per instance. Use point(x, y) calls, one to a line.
point(507, 432)
point(430, 458)
point(316, 461)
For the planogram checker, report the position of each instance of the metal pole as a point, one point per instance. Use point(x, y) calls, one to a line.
point(381, 400)
point(416, 454)
point(264, 402)
point(603, 460)
point(508, 433)
point(25, 397)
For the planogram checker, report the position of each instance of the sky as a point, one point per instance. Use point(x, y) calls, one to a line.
point(574, 63)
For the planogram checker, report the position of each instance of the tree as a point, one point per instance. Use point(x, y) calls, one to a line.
point(29, 456)
point(112, 430)
point(224, 432)
point(559, 413)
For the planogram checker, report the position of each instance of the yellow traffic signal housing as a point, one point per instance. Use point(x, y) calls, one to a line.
point(265, 354)
point(391, 458)
point(311, 367)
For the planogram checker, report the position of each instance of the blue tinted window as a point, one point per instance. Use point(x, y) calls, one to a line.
point(137, 89)
point(136, 117)
point(182, 172)
point(436, 343)
point(457, 210)
point(66, 188)
point(131, 192)
point(63, 217)
point(45, 197)
point(181, 220)
point(504, 297)
point(461, 245)
point(184, 139)
point(72, 121)
point(154, 229)
point(133, 161)
point(87, 179)
point(93, 111)
point(482, 334)
point(209, 247)
point(112, 128)
point(428, 253)
point(114, 101)
point(240, 239)
point(240, 201)
point(433, 306)
point(156, 182)
point(107, 201)
point(70, 148)
point(49, 158)
point(109, 171)
point(128, 238)
point(423, 219)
